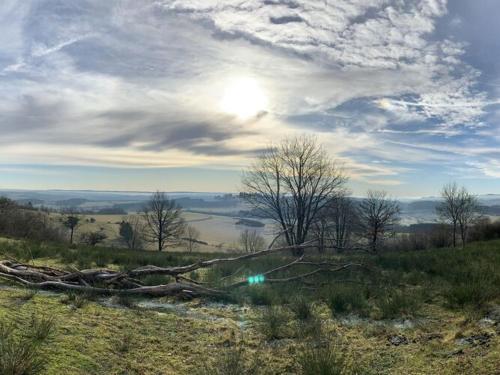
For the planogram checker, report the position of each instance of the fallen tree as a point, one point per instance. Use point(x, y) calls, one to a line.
point(112, 282)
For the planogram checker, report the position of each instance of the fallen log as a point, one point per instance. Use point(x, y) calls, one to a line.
point(111, 282)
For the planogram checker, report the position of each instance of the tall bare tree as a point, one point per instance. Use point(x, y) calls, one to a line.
point(163, 220)
point(291, 183)
point(251, 241)
point(448, 210)
point(378, 215)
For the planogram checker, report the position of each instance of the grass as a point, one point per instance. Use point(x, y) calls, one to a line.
point(232, 361)
point(279, 323)
point(20, 352)
point(322, 360)
point(301, 307)
point(346, 298)
point(396, 303)
point(273, 322)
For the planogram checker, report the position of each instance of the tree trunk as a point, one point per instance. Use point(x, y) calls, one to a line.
point(454, 235)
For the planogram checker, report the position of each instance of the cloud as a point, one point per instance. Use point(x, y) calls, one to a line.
point(386, 38)
point(140, 83)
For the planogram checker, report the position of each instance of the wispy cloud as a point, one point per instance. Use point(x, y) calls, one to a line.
point(128, 83)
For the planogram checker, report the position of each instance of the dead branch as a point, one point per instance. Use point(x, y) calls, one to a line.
point(111, 282)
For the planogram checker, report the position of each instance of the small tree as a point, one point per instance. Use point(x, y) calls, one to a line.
point(132, 232)
point(93, 238)
point(191, 237)
point(448, 209)
point(163, 220)
point(468, 213)
point(251, 241)
point(71, 221)
point(377, 217)
point(459, 209)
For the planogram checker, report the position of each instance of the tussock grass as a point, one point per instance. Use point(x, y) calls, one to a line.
point(20, 346)
point(301, 307)
point(231, 362)
point(273, 322)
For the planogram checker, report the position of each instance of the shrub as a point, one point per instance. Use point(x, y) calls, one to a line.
point(93, 238)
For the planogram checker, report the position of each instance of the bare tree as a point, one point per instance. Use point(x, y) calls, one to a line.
point(71, 221)
point(291, 183)
point(448, 209)
point(191, 237)
point(251, 241)
point(377, 217)
point(460, 209)
point(163, 220)
point(132, 231)
point(335, 224)
point(468, 213)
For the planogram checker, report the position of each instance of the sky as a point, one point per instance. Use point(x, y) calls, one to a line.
point(183, 95)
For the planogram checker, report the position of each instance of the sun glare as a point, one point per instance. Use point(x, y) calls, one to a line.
point(244, 98)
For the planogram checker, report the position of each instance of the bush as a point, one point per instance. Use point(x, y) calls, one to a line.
point(93, 238)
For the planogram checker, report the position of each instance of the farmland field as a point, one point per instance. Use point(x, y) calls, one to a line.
point(220, 232)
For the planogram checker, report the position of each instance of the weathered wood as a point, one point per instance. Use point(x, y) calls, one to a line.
point(112, 282)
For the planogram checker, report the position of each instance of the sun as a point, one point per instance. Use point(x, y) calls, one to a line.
point(244, 98)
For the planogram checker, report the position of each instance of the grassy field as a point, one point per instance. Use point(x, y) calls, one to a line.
point(428, 312)
point(219, 232)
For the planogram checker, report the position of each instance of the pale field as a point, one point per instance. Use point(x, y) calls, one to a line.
point(220, 232)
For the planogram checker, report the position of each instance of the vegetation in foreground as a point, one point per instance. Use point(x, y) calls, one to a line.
point(407, 312)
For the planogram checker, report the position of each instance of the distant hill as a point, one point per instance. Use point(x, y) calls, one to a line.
point(72, 202)
point(422, 205)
